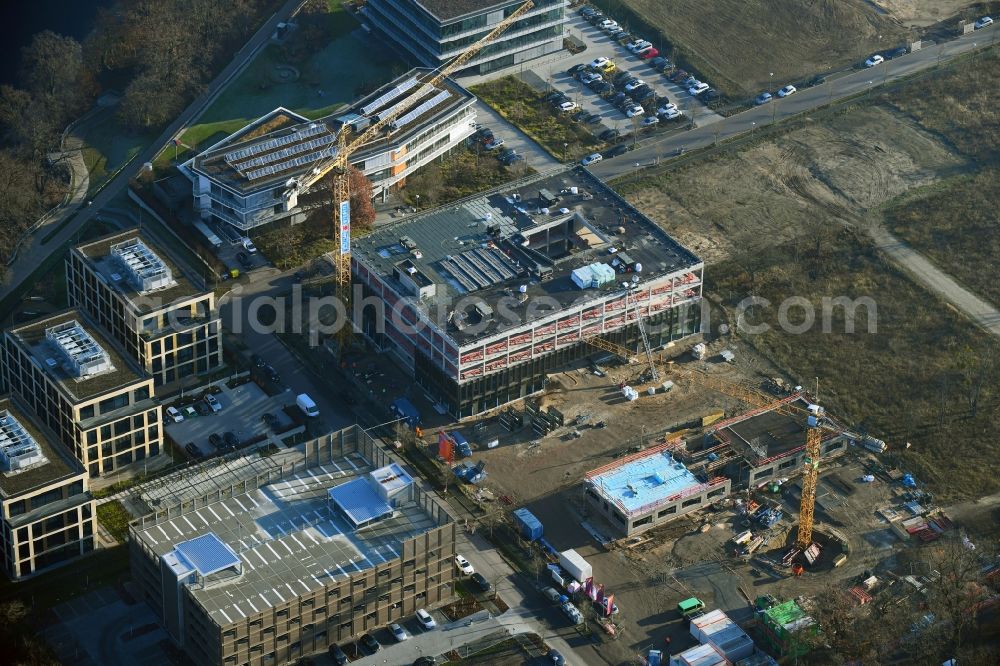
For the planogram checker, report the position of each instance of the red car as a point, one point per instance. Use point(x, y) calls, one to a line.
point(651, 52)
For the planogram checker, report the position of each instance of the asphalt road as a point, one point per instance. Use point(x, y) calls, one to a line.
point(35, 251)
point(806, 99)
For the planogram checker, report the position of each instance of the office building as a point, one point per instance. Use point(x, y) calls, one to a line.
point(481, 299)
point(321, 544)
point(46, 511)
point(96, 400)
point(432, 32)
point(161, 315)
point(247, 179)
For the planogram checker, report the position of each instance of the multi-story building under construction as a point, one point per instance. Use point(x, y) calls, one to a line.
point(482, 298)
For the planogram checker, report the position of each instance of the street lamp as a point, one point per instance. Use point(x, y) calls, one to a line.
point(565, 145)
point(774, 104)
point(753, 126)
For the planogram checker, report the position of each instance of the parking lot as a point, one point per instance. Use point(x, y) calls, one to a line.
point(242, 409)
point(599, 44)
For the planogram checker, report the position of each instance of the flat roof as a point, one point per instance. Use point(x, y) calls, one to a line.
point(643, 481)
point(208, 554)
point(446, 10)
point(392, 478)
point(765, 434)
point(287, 537)
point(490, 246)
point(359, 501)
point(100, 257)
point(32, 338)
point(58, 463)
point(283, 145)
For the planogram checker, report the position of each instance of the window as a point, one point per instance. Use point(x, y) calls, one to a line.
point(648, 520)
point(86, 412)
point(666, 512)
point(717, 492)
point(691, 502)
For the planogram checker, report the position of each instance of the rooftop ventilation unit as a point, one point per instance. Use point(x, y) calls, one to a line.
point(18, 449)
point(83, 356)
point(146, 271)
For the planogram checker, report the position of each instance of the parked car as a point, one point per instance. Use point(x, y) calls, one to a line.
point(193, 450)
point(577, 68)
point(647, 54)
point(174, 414)
point(425, 620)
point(609, 135)
point(587, 11)
point(671, 114)
point(567, 106)
point(634, 110)
point(269, 419)
point(425, 661)
point(607, 67)
point(659, 63)
point(512, 157)
point(762, 98)
point(244, 259)
point(597, 63)
point(984, 22)
point(495, 143)
point(230, 440)
point(896, 52)
point(593, 158)
point(618, 98)
point(678, 75)
point(633, 84)
point(590, 77)
point(635, 44)
point(698, 88)
point(202, 408)
point(557, 658)
point(607, 24)
point(666, 108)
point(551, 593)
point(596, 17)
point(213, 402)
point(614, 32)
point(592, 118)
point(649, 121)
point(480, 582)
point(603, 88)
point(817, 80)
point(398, 632)
point(464, 565)
point(620, 149)
point(709, 95)
point(643, 93)
point(786, 91)
point(625, 38)
point(216, 441)
point(248, 245)
point(874, 60)
point(370, 644)
point(338, 655)
point(560, 99)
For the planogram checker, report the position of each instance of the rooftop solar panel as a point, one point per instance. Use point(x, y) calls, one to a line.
point(389, 96)
point(410, 116)
point(264, 146)
point(208, 554)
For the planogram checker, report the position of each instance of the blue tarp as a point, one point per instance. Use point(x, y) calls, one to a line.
point(530, 527)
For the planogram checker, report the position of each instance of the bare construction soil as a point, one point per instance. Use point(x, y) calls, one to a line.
point(810, 179)
point(919, 13)
point(736, 44)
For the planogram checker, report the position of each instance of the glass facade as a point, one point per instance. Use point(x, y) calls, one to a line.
point(432, 42)
point(493, 390)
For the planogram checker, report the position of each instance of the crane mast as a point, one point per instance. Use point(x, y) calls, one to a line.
point(346, 146)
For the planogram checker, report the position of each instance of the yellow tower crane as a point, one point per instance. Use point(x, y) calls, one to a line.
point(346, 146)
point(815, 425)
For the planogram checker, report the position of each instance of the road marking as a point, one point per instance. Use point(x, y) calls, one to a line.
point(224, 614)
point(281, 598)
point(268, 544)
point(190, 524)
point(212, 511)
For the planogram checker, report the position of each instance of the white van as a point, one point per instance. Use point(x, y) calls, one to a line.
point(306, 404)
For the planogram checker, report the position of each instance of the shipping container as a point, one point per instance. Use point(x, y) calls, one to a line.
point(717, 629)
point(529, 526)
point(701, 655)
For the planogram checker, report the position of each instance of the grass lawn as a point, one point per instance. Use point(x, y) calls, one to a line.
point(327, 79)
point(114, 518)
point(103, 567)
point(910, 381)
point(458, 175)
point(954, 224)
point(522, 105)
point(107, 146)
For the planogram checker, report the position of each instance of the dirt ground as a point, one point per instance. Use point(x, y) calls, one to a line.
point(919, 13)
point(737, 44)
point(784, 189)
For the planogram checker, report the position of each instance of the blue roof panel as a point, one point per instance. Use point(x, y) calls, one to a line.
point(359, 501)
point(208, 554)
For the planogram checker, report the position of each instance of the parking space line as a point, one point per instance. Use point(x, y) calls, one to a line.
point(303, 584)
point(212, 511)
point(302, 545)
point(273, 551)
point(237, 500)
point(257, 553)
point(190, 524)
point(290, 551)
point(226, 615)
point(250, 603)
point(231, 514)
point(290, 589)
point(280, 598)
point(239, 610)
point(256, 505)
point(264, 599)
